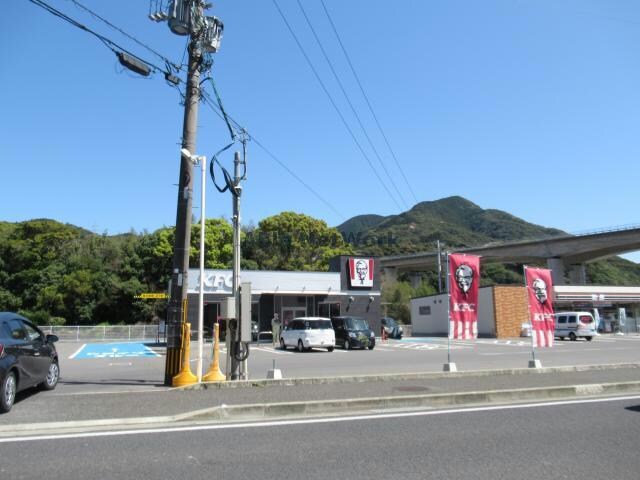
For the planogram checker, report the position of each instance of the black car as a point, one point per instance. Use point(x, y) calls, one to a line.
point(353, 332)
point(391, 327)
point(28, 358)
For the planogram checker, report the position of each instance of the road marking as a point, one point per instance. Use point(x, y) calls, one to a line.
point(77, 352)
point(502, 353)
point(272, 350)
point(279, 423)
point(114, 350)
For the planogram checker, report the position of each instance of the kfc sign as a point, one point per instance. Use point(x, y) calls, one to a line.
point(463, 295)
point(539, 287)
point(361, 272)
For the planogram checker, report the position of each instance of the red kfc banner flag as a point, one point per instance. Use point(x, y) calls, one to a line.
point(464, 280)
point(539, 290)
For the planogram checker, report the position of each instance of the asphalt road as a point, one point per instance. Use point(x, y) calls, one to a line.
point(410, 355)
point(587, 440)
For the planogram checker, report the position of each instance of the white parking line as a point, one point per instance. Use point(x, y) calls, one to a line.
point(77, 352)
point(272, 350)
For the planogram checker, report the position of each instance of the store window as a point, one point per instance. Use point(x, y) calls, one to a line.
point(329, 310)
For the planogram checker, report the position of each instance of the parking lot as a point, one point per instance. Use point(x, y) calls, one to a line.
point(125, 366)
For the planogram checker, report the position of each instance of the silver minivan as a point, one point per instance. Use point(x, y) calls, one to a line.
point(305, 333)
point(575, 325)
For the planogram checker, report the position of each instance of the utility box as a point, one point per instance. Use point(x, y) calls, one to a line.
point(228, 308)
point(245, 312)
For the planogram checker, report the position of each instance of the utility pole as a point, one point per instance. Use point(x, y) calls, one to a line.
point(185, 17)
point(238, 367)
point(178, 293)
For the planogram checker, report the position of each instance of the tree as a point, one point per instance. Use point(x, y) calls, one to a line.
point(218, 241)
point(293, 241)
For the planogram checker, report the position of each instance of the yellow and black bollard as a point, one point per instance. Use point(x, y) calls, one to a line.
point(185, 377)
point(215, 374)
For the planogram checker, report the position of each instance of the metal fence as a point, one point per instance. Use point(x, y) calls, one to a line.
point(79, 333)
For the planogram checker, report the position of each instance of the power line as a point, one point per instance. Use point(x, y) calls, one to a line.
point(373, 113)
point(222, 114)
point(304, 53)
point(131, 37)
point(110, 44)
point(353, 110)
point(225, 117)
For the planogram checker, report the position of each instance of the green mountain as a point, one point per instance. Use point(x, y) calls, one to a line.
point(457, 222)
point(453, 220)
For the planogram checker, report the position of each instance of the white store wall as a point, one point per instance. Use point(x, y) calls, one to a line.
point(435, 322)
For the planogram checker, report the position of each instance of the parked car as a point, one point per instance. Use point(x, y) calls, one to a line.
point(575, 325)
point(28, 358)
point(353, 332)
point(391, 327)
point(305, 333)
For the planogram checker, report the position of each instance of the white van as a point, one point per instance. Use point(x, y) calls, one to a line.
point(305, 333)
point(575, 325)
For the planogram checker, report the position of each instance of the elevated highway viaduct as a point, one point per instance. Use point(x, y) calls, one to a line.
point(565, 255)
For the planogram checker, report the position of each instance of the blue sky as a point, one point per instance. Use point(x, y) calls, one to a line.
point(527, 106)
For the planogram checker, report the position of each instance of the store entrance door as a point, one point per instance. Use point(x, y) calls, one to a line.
point(289, 314)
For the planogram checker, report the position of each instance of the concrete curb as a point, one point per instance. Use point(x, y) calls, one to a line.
point(261, 411)
point(403, 376)
point(328, 407)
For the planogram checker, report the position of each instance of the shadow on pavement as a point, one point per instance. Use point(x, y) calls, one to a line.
point(115, 381)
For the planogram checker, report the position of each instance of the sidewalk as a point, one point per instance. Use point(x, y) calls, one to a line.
point(257, 399)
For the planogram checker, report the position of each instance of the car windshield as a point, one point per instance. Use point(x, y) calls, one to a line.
point(390, 322)
point(357, 324)
point(318, 324)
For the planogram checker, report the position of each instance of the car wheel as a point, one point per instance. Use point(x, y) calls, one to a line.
point(370, 347)
point(347, 345)
point(283, 346)
point(572, 337)
point(8, 392)
point(52, 377)
point(329, 349)
point(588, 338)
point(300, 346)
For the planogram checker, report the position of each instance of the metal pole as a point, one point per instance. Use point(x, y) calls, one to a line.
point(526, 291)
point(178, 292)
point(235, 373)
point(439, 267)
point(448, 313)
point(203, 162)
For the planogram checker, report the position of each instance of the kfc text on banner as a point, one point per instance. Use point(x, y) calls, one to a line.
point(539, 289)
point(464, 271)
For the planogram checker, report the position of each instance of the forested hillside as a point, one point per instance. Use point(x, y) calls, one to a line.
point(59, 273)
point(458, 223)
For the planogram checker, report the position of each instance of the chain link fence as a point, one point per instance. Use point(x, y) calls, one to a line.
point(77, 333)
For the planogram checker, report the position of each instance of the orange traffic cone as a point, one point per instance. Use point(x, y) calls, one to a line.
point(185, 377)
point(215, 374)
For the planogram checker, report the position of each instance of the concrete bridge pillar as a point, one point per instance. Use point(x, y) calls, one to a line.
point(390, 275)
point(415, 279)
point(562, 274)
point(558, 272)
point(577, 274)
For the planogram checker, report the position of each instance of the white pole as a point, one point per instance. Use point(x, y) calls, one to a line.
point(203, 161)
point(448, 312)
point(526, 289)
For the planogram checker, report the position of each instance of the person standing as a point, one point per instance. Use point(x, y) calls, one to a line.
point(275, 329)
